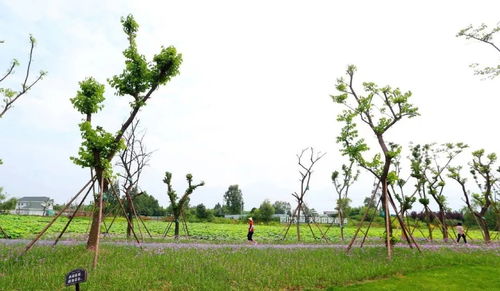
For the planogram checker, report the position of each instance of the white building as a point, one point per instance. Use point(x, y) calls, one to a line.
point(40, 205)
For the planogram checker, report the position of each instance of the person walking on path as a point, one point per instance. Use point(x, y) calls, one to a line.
point(460, 232)
point(250, 231)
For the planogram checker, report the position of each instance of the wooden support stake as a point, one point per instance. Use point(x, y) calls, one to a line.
point(363, 219)
point(72, 216)
point(30, 245)
point(370, 224)
point(124, 211)
point(290, 222)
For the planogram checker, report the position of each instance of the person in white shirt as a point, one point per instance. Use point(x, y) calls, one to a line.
point(460, 232)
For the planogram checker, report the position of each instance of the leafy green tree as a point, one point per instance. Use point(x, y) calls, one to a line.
point(428, 163)
point(233, 200)
point(202, 212)
point(342, 183)
point(219, 210)
point(484, 35)
point(147, 205)
point(138, 80)
point(282, 207)
point(483, 170)
point(380, 109)
point(6, 204)
point(179, 204)
point(266, 211)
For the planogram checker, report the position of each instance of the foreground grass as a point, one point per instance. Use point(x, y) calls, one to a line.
point(128, 268)
point(27, 226)
point(474, 277)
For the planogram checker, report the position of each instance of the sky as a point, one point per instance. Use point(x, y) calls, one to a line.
point(253, 91)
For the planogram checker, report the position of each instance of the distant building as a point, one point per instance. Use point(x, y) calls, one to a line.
point(39, 205)
point(328, 217)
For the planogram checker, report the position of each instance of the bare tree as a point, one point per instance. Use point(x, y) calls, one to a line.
point(10, 96)
point(133, 160)
point(305, 170)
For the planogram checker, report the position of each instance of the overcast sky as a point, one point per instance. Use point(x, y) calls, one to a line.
point(253, 90)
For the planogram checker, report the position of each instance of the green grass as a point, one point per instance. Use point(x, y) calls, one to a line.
point(27, 226)
point(474, 277)
point(128, 268)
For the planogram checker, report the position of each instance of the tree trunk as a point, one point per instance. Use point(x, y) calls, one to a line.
point(129, 226)
point(130, 214)
point(298, 222)
point(95, 227)
point(444, 226)
point(428, 222)
point(341, 224)
point(484, 227)
point(388, 227)
point(176, 229)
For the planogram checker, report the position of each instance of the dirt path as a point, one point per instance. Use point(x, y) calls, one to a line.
point(170, 245)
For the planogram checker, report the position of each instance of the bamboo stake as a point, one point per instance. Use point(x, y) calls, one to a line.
point(72, 216)
point(124, 212)
point(369, 225)
point(363, 219)
point(30, 245)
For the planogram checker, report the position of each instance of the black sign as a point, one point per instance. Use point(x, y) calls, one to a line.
point(76, 276)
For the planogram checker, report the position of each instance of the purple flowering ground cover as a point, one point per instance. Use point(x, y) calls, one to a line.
point(246, 267)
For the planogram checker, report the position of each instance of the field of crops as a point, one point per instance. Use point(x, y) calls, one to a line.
point(28, 226)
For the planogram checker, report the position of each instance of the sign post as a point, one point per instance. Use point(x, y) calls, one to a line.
point(76, 277)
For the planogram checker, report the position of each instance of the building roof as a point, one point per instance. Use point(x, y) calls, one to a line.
point(34, 198)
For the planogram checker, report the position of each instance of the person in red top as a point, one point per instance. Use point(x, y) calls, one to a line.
point(250, 231)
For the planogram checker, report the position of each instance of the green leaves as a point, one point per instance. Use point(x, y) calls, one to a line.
point(96, 146)
point(139, 75)
point(130, 26)
point(379, 108)
point(166, 66)
point(484, 35)
point(89, 98)
point(138, 79)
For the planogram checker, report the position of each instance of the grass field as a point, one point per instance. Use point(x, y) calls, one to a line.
point(28, 226)
point(129, 268)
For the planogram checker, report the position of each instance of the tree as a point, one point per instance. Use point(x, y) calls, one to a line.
point(266, 211)
point(133, 159)
point(305, 171)
point(202, 212)
point(342, 184)
point(179, 204)
point(428, 163)
point(483, 170)
point(147, 205)
point(484, 35)
point(380, 109)
point(139, 80)
point(219, 210)
point(10, 96)
point(6, 204)
point(233, 200)
point(282, 207)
